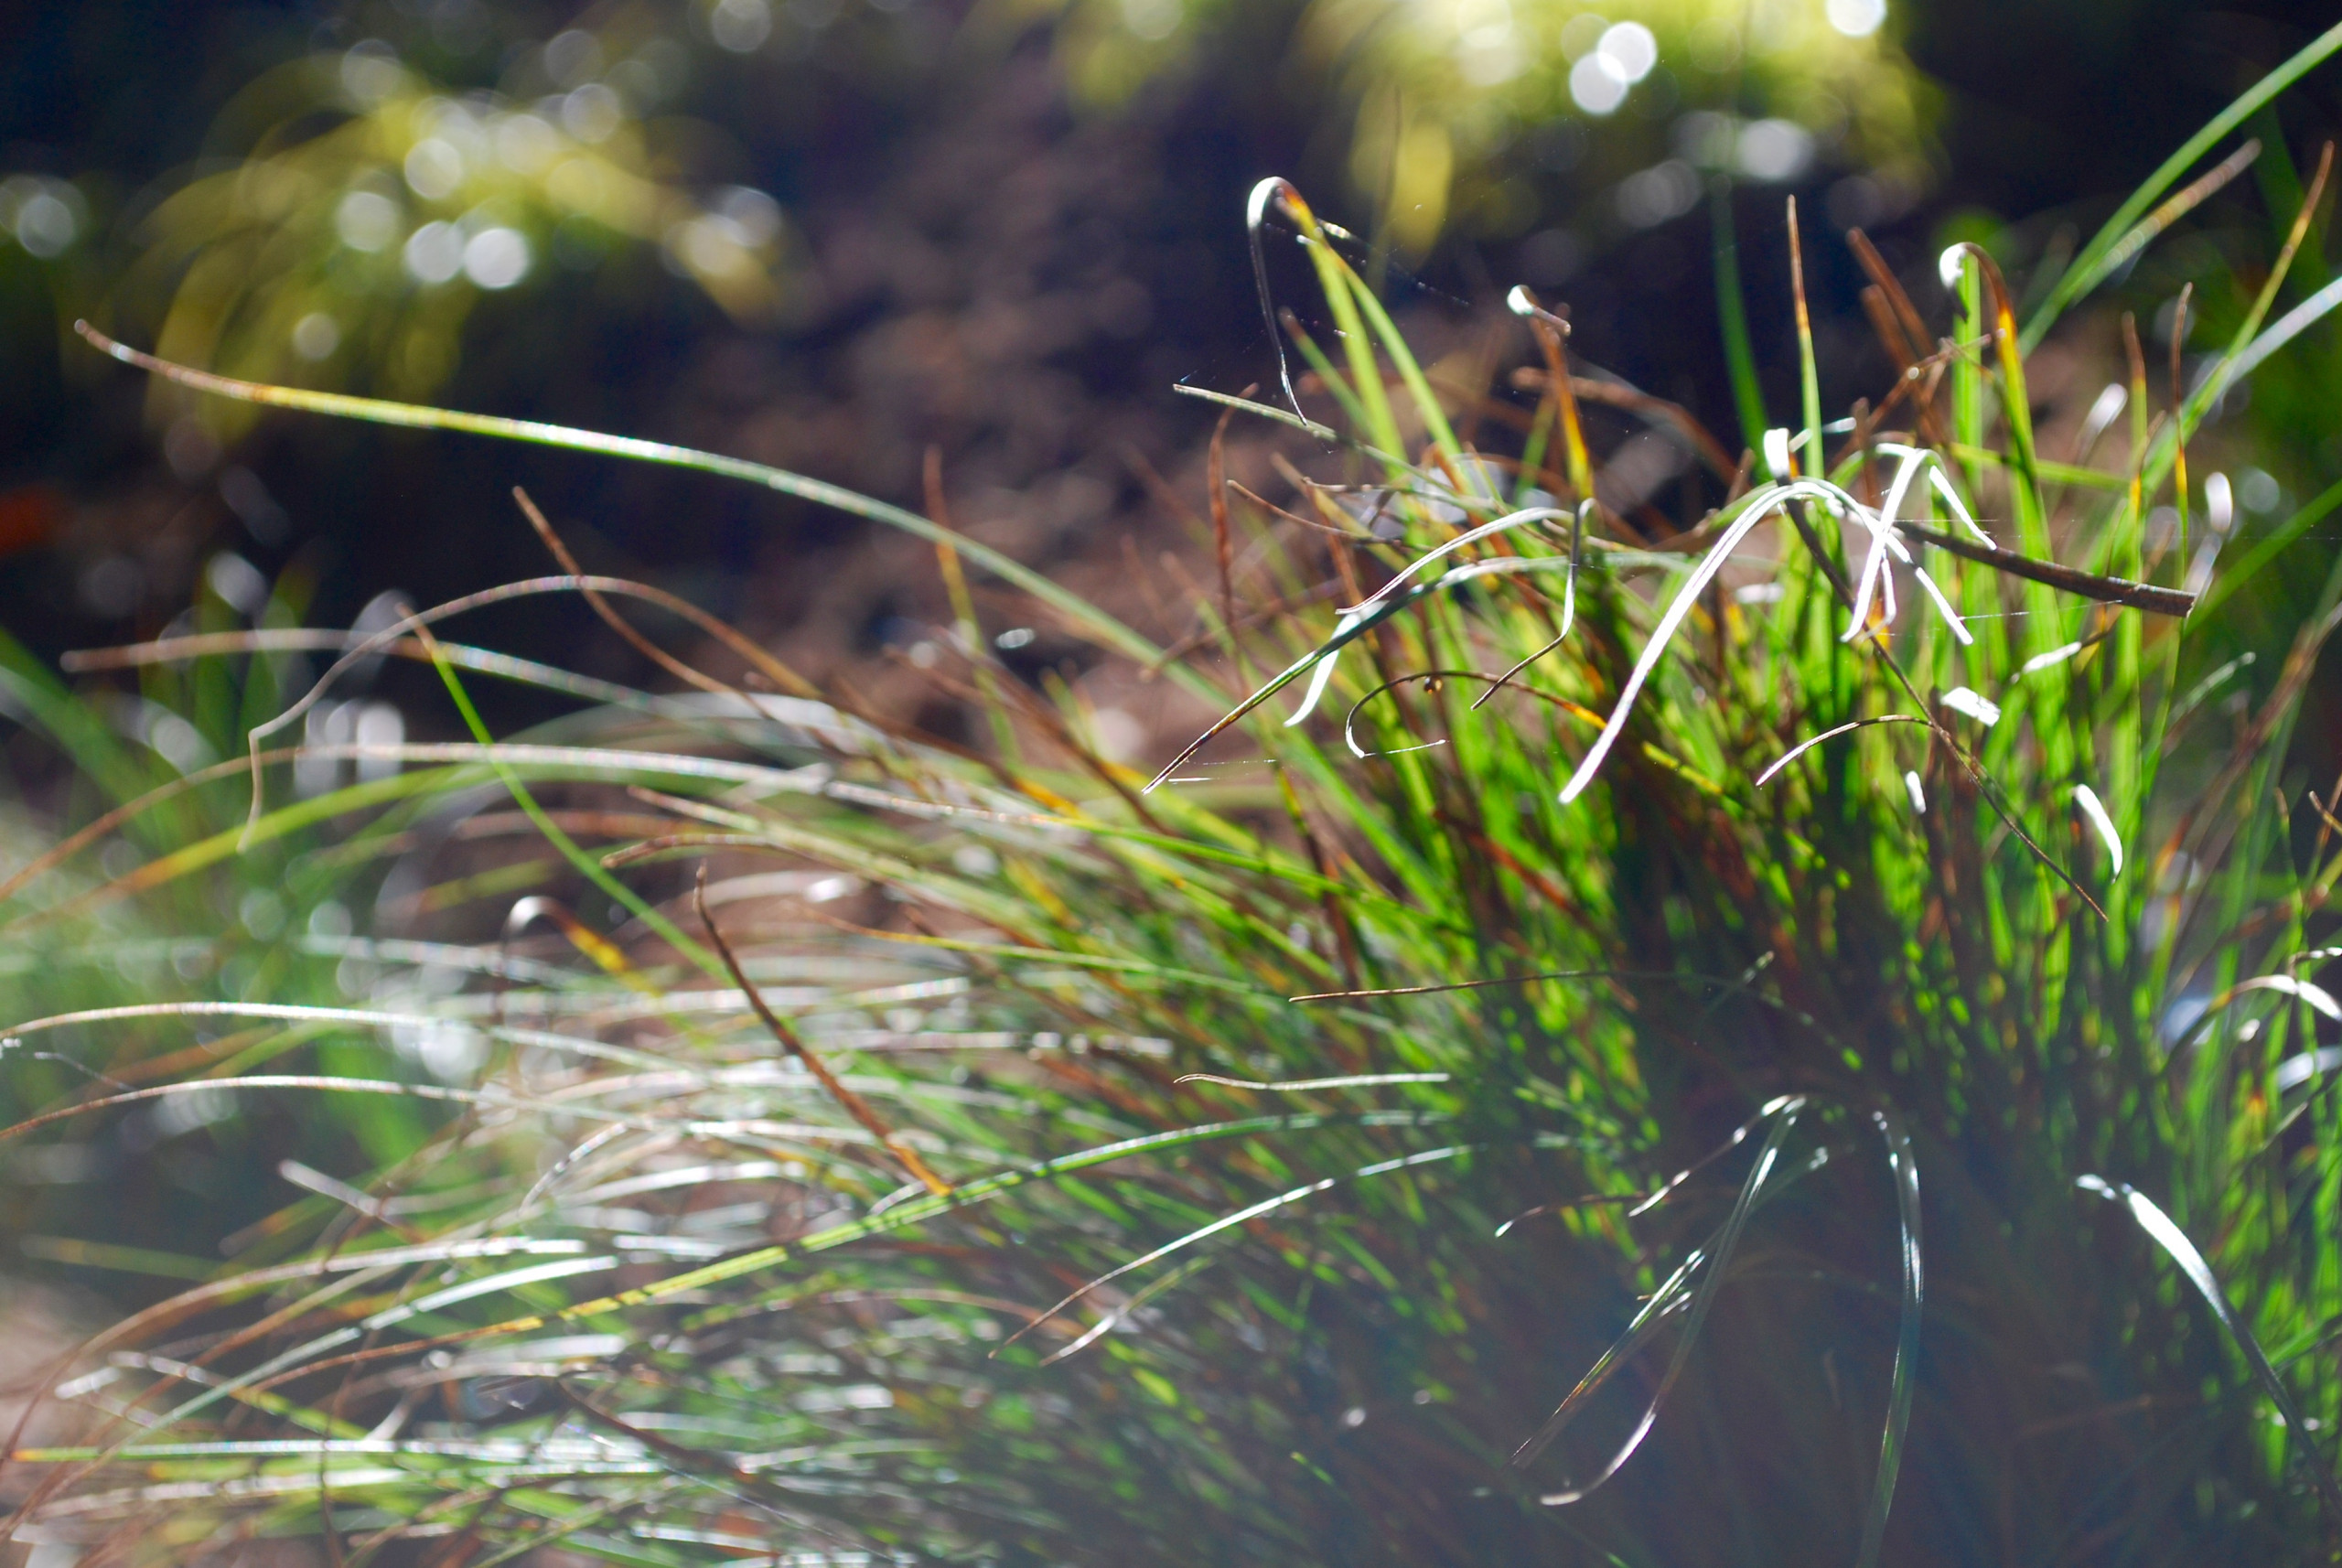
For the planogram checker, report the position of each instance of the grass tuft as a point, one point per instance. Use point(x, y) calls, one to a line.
point(1654, 883)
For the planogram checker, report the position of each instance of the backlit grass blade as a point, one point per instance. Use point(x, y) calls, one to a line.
point(1241, 1217)
point(2309, 516)
point(2150, 1218)
point(1075, 609)
point(2090, 267)
point(1732, 315)
point(1713, 1261)
point(1754, 510)
point(1904, 1165)
point(589, 866)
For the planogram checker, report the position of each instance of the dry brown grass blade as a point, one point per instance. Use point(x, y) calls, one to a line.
point(1916, 343)
point(1550, 329)
point(1884, 325)
point(2149, 596)
point(1634, 400)
point(848, 1100)
point(1274, 510)
point(772, 669)
point(1901, 332)
point(1919, 384)
point(1223, 543)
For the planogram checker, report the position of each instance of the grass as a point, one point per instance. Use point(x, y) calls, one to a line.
point(1804, 1062)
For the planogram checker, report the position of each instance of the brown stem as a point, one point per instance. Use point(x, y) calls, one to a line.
point(852, 1103)
point(1634, 400)
point(2145, 597)
point(772, 669)
point(1223, 543)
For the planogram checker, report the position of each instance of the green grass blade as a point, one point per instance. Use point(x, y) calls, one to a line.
point(586, 865)
point(1731, 315)
point(1905, 1166)
point(2309, 515)
point(2150, 1218)
point(2088, 267)
point(376, 411)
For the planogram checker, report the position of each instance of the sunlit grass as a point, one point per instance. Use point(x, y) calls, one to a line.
point(1791, 1039)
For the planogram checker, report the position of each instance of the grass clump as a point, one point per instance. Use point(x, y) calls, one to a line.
point(1796, 1036)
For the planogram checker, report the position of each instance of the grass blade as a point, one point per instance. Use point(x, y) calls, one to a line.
point(2150, 1218)
point(1714, 1259)
point(1905, 1166)
point(2088, 268)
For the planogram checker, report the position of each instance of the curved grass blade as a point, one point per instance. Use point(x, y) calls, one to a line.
point(281, 1080)
point(1638, 1206)
point(1905, 1166)
point(1501, 525)
point(1569, 607)
point(2088, 268)
point(1256, 216)
point(2087, 802)
point(903, 1216)
point(1972, 704)
point(368, 1017)
point(1755, 508)
point(2294, 1072)
point(2316, 996)
point(2150, 1218)
point(1249, 1212)
point(492, 1284)
point(418, 624)
point(378, 411)
point(1801, 747)
point(1297, 1085)
point(1106, 1324)
point(542, 761)
point(2310, 515)
point(1715, 1260)
point(1431, 678)
point(589, 866)
point(322, 640)
point(1873, 574)
point(1349, 629)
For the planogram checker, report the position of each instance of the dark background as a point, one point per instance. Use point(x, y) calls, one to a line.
point(912, 146)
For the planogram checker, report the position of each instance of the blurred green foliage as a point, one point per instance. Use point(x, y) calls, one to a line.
point(355, 205)
point(358, 209)
point(1438, 95)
